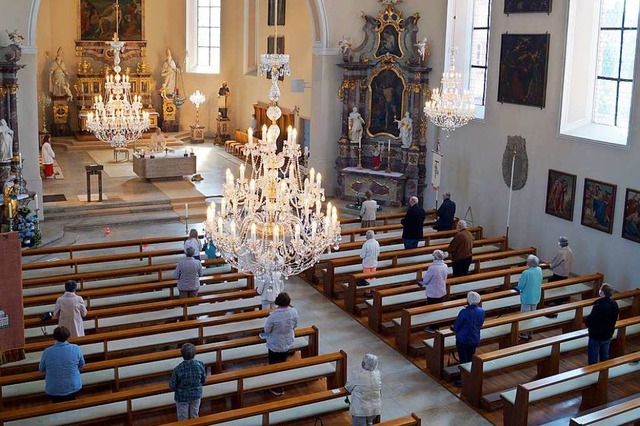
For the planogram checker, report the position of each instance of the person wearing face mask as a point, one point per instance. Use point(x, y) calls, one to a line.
point(601, 324)
point(562, 262)
point(365, 388)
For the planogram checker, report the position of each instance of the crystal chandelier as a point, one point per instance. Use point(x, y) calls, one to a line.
point(272, 223)
point(450, 106)
point(118, 118)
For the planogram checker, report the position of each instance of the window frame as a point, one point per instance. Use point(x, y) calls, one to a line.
point(192, 28)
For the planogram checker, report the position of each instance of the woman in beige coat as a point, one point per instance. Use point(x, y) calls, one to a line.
point(70, 309)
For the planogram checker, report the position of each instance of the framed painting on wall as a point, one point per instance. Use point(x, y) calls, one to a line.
point(98, 20)
point(386, 103)
point(528, 6)
point(631, 218)
point(524, 59)
point(598, 203)
point(561, 194)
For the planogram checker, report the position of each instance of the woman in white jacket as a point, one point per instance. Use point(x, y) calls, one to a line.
point(365, 388)
point(70, 309)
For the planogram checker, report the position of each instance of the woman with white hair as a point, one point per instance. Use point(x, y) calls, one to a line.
point(467, 328)
point(530, 289)
point(369, 253)
point(434, 279)
point(365, 388)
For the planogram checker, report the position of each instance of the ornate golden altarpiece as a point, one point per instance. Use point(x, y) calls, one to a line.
point(384, 78)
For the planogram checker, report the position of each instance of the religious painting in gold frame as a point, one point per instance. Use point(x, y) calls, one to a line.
point(97, 20)
point(386, 101)
point(389, 33)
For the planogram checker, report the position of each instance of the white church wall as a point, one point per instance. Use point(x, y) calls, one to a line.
point(473, 157)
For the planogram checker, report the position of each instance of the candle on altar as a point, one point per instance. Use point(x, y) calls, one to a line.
point(186, 209)
point(389, 147)
point(36, 200)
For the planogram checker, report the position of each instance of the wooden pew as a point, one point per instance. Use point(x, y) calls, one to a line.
point(411, 274)
point(545, 353)
point(625, 412)
point(592, 380)
point(406, 297)
point(505, 330)
point(411, 420)
point(110, 344)
point(385, 219)
point(415, 319)
point(235, 384)
point(160, 312)
point(338, 270)
point(45, 285)
point(304, 407)
point(120, 371)
point(135, 293)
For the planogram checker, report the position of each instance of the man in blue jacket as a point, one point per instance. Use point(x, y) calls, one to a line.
point(467, 328)
point(530, 289)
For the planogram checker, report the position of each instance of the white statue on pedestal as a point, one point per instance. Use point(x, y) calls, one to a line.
point(422, 49)
point(169, 72)
point(6, 142)
point(59, 78)
point(158, 141)
point(405, 125)
point(356, 123)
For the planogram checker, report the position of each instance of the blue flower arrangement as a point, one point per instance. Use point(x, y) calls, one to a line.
point(26, 223)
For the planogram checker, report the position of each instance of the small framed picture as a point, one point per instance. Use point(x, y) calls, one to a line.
point(561, 194)
point(527, 6)
point(631, 219)
point(598, 203)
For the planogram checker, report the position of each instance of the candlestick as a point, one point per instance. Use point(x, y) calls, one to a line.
point(359, 155)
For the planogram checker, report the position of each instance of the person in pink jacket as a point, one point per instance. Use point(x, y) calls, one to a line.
point(70, 309)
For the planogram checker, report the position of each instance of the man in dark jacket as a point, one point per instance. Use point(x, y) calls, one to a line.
point(467, 328)
point(412, 224)
point(601, 324)
point(446, 213)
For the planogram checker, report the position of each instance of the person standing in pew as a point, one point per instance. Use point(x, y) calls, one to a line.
point(412, 224)
point(601, 324)
point(61, 364)
point(279, 329)
point(368, 211)
point(70, 309)
point(446, 213)
point(467, 328)
point(369, 254)
point(186, 381)
point(460, 250)
point(269, 287)
point(365, 388)
point(530, 289)
point(193, 241)
point(434, 279)
point(562, 262)
point(188, 273)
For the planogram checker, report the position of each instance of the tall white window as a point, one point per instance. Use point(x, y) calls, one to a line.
point(468, 29)
point(599, 70)
point(203, 36)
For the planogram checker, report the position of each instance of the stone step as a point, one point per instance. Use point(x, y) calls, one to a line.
point(109, 211)
point(63, 207)
point(122, 219)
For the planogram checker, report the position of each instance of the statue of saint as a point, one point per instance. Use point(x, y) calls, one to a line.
point(6, 142)
point(158, 142)
point(356, 123)
point(223, 94)
point(169, 72)
point(422, 49)
point(405, 125)
point(59, 78)
point(10, 197)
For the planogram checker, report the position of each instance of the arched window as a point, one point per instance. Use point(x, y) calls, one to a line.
point(599, 70)
point(203, 36)
point(468, 29)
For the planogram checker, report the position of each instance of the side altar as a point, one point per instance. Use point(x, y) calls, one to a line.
point(385, 85)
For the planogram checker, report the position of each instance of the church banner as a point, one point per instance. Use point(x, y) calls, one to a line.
point(435, 170)
point(11, 316)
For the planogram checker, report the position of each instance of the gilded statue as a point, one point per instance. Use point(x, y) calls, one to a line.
point(59, 77)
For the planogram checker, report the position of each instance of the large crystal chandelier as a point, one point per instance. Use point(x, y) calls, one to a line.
point(272, 223)
point(450, 106)
point(117, 118)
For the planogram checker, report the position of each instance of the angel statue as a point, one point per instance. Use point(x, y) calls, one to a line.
point(405, 125)
point(422, 49)
point(345, 47)
point(355, 126)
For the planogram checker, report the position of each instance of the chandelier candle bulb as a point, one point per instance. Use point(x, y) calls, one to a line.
point(318, 180)
point(250, 134)
point(276, 234)
point(223, 207)
point(318, 208)
point(254, 229)
point(312, 175)
point(232, 225)
point(297, 232)
point(329, 206)
point(242, 169)
point(219, 224)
